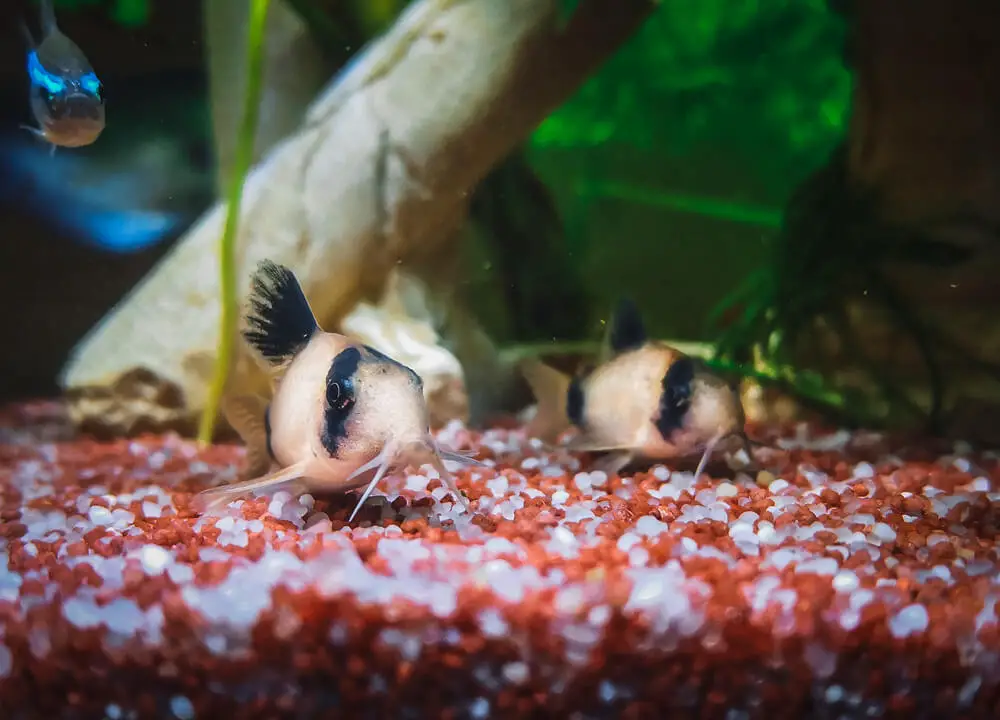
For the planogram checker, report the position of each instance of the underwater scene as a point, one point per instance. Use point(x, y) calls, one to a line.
point(499, 359)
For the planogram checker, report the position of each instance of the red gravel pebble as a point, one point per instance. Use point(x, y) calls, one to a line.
point(858, 579)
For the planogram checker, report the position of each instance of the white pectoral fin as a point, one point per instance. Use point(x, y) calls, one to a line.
point(618, 455)
point(581, 443)
point(216, 497)
point(246, 414)
point(613, 463)
point(460, 458)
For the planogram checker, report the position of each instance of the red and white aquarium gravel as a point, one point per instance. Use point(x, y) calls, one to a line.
point(862, 581)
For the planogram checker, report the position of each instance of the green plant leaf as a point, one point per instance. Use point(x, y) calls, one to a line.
point(229, 315)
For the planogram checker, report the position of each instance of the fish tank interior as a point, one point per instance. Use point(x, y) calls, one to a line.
point(690, 310)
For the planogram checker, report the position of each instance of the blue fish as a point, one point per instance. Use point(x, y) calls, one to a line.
point(107, 206)
point(146, 179)
point(67, 97)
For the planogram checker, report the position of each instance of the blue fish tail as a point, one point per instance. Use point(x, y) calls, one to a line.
point(47, 12)
point(120, 231)
point(29, 39)
point(106, 211)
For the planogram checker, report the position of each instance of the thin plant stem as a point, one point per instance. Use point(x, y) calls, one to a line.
point(227, 244)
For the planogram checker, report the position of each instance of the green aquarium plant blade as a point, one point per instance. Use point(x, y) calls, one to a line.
point(227, 244)
point(737, 212)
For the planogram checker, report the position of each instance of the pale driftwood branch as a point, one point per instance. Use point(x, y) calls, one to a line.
point(378, 174)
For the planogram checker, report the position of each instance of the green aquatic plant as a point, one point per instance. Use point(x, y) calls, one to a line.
point(764, 79)
point(832, 248)
point(736, 212)
point(227, 243)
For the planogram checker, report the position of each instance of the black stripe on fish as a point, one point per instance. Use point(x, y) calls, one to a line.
point(340, 398)
point(575, 401)
point(675, 399)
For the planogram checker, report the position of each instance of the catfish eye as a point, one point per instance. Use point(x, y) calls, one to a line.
point(338, 396)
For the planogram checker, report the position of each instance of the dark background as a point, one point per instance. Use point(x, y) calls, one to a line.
point(53, 288)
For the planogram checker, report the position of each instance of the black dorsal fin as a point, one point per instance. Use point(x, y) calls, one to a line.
point(628, 331)
point(280, 322)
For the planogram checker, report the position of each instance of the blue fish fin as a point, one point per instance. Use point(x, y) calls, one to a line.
point(29, 39)
point(38, 133)
point(48, 15)
point(33, 130)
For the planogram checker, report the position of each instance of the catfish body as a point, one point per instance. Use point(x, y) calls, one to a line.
point(645, 399)
point(340, 408)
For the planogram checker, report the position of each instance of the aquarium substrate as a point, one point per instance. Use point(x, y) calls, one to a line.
point(861, 582)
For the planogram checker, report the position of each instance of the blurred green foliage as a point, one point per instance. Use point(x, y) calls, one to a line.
point(131, 12)
point(766, 77)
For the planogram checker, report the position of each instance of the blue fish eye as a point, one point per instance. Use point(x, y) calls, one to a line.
point(53, 84)
point(91, 84)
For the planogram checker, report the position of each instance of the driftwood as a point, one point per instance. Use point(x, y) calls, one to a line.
point(377, 174)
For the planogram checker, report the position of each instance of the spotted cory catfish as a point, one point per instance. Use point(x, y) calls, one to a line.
point(643, 400)
point(340, 409)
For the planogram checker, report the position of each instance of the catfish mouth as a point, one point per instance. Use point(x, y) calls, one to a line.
point(723, 442)
point(699, 455)
point(396, 455)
